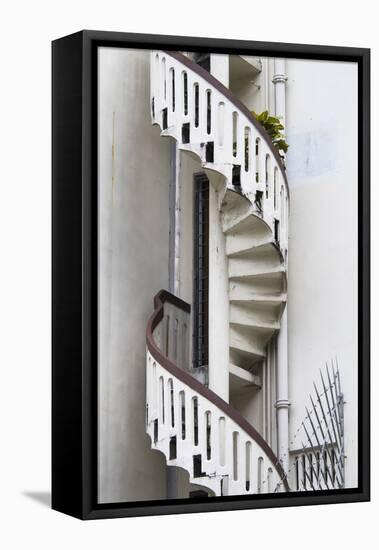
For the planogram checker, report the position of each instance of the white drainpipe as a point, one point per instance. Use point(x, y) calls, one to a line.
point(282, 402)
point(279, 80)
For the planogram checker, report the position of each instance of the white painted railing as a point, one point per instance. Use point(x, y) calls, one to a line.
point(205, 118)
point(192, 426)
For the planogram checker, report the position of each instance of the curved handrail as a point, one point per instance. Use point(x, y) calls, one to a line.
point(157, 316)
point(236, 102)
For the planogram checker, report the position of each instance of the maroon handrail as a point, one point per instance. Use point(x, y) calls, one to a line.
point(156, 317)
point(233, 99)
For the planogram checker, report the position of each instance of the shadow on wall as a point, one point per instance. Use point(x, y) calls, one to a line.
point(41, 497)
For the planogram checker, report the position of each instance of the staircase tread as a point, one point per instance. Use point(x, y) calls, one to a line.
point(242, 221)
point(274, 298)
point(258, 274)
point(255, 353)
point(254, 325)
point(252, 249)
point(244, 375)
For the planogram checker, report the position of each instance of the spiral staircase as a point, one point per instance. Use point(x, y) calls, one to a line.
point(193, 427)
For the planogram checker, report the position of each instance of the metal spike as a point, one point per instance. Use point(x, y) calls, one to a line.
point(334, 407)
point(329, 409)
point(318, 419)
point(335, 393)
point(305, 471)
point(326, 425)
point(315, 434)
point(314, 452)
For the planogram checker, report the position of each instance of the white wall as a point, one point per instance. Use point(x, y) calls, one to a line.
point(26, 313)
point(322, 284)
point(133, 266)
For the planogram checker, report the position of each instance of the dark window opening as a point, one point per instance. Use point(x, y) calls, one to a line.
point(185, 93)
point(209, 151)
point(186, 132)
point(203, 59)
point(209, 112)
point(182, 401)
point(195, 422)
point(196, 105)
point(276, 230)
point(155, 430)
point(173, 447)
point(236, 175)
point(173, 88)
point(153, 107)
point(164, 119)
point(197, 466)
point(258, 201)
point(201, 271)
point(208, 425)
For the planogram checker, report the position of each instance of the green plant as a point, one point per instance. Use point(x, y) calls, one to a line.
point(274, 128)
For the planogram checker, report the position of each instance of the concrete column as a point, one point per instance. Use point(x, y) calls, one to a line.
point(218, 294)
point(220, 68)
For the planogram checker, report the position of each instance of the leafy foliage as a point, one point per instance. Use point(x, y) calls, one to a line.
point(274, 128)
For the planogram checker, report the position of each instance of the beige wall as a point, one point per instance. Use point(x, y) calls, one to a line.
point(133, 265)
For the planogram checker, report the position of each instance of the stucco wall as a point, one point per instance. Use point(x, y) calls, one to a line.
point(133, 191)
point(322, 290)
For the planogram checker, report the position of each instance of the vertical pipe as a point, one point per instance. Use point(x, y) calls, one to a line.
point(279, 80)
point(282, 403)
point(267, 84)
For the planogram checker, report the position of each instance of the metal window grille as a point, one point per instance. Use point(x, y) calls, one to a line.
point(201, 271)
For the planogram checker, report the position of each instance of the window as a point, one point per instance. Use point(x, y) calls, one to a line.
point(201, 271)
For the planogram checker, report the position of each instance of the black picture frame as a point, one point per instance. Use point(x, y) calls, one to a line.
point(74, 273)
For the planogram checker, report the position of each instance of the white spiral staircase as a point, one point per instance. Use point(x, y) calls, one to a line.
point(189, 423)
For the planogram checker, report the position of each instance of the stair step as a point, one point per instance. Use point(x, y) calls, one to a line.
point(256, 313)
point(242, 339)
point(257, 326)
point(240, 354)
point(247, 288)
point(241, 378)
point(255, 336)
point(248, 243)
point(252, 272)
point(262, 299)
point(233, 202)
point(240, 220)
point(253, 260)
